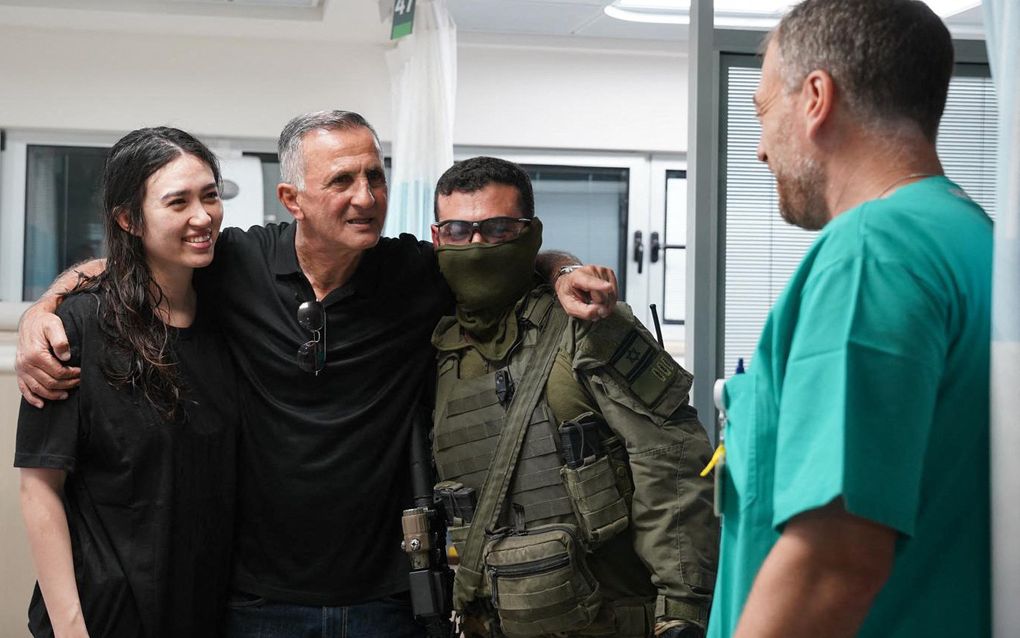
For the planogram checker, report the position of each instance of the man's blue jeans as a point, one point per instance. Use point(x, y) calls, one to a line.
point(253, 617)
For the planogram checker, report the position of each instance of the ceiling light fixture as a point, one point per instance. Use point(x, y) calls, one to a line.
point(739, 13)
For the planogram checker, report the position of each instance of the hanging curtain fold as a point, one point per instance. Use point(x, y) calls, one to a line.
point(1002, 26)
point(423, 75)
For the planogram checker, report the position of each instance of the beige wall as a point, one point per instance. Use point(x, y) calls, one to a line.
point(16, 572)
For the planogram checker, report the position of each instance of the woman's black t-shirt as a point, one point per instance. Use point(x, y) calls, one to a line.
point(149, 503)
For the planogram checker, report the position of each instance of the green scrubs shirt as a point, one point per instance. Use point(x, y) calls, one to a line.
point(870, 385)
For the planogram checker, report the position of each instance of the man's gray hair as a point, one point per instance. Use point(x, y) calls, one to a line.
point(891, 60)
point(292, 166)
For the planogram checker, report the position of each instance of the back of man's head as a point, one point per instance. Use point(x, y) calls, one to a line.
point(890, 60)
point(472, 175)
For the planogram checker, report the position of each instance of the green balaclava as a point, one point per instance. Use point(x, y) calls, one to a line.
point(489, 279)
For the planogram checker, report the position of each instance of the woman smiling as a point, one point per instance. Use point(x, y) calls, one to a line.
point(127, 488)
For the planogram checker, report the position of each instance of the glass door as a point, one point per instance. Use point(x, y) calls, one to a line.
point(667, 254)
point(583, 211)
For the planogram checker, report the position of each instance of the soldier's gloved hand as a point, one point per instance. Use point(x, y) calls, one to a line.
point(671, 628)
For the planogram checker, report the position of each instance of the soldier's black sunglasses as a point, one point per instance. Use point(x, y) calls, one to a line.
point(494, 230)
point(311, 356)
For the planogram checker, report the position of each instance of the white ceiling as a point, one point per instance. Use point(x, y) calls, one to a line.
point(355, 21)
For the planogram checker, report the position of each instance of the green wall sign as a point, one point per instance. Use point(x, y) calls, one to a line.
point(403, 18)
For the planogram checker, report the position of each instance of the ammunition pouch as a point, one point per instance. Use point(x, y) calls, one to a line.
point(594, 492)
point(539, 581)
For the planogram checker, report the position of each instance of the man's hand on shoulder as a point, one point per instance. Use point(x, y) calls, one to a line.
point(587, 292)
point(41, 375)
point(41, 335)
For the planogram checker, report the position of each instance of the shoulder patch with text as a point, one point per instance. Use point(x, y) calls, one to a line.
point(647, 369)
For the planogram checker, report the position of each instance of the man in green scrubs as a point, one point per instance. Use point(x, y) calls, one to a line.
point(855, 483)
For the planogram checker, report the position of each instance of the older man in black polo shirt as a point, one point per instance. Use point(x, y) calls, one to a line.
point(330, 326)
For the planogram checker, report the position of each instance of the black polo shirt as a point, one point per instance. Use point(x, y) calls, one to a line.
point(323, 465)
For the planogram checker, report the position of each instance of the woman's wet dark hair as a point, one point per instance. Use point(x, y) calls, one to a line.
point(139, 357)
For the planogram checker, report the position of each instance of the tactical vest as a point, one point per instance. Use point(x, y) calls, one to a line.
point(469, 419)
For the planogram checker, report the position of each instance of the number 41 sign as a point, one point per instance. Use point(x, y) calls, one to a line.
point(403, 18)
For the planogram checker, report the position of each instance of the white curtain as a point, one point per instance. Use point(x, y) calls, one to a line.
point(1002, 25)
point(423, 74)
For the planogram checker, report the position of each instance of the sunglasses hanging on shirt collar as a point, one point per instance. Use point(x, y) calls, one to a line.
point(311, 356)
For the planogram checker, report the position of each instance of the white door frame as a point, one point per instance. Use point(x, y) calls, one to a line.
point(660, 165)
point(13, 173)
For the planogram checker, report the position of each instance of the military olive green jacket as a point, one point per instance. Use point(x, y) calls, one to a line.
point(615, 369)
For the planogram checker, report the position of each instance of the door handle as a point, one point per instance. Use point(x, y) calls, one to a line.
point(639, 250)
point(655, 247)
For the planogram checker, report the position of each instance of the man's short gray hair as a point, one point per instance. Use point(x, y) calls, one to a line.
point(292, 166)
point(891, 60)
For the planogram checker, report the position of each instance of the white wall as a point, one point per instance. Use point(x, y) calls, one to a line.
point(211, 86)
point(508, 94)
point(511, 95)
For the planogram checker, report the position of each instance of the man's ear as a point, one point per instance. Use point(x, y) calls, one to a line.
point(287, 194)
point(123, 218)
point(818, 93)
point(435, 235)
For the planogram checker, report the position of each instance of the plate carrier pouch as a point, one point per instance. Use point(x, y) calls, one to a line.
point(593, 481)
point(601, 510)
point(539, 581)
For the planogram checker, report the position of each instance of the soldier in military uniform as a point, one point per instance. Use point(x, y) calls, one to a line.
point(602, 525)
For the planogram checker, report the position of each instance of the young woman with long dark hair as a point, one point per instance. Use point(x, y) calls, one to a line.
point(127, 487)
